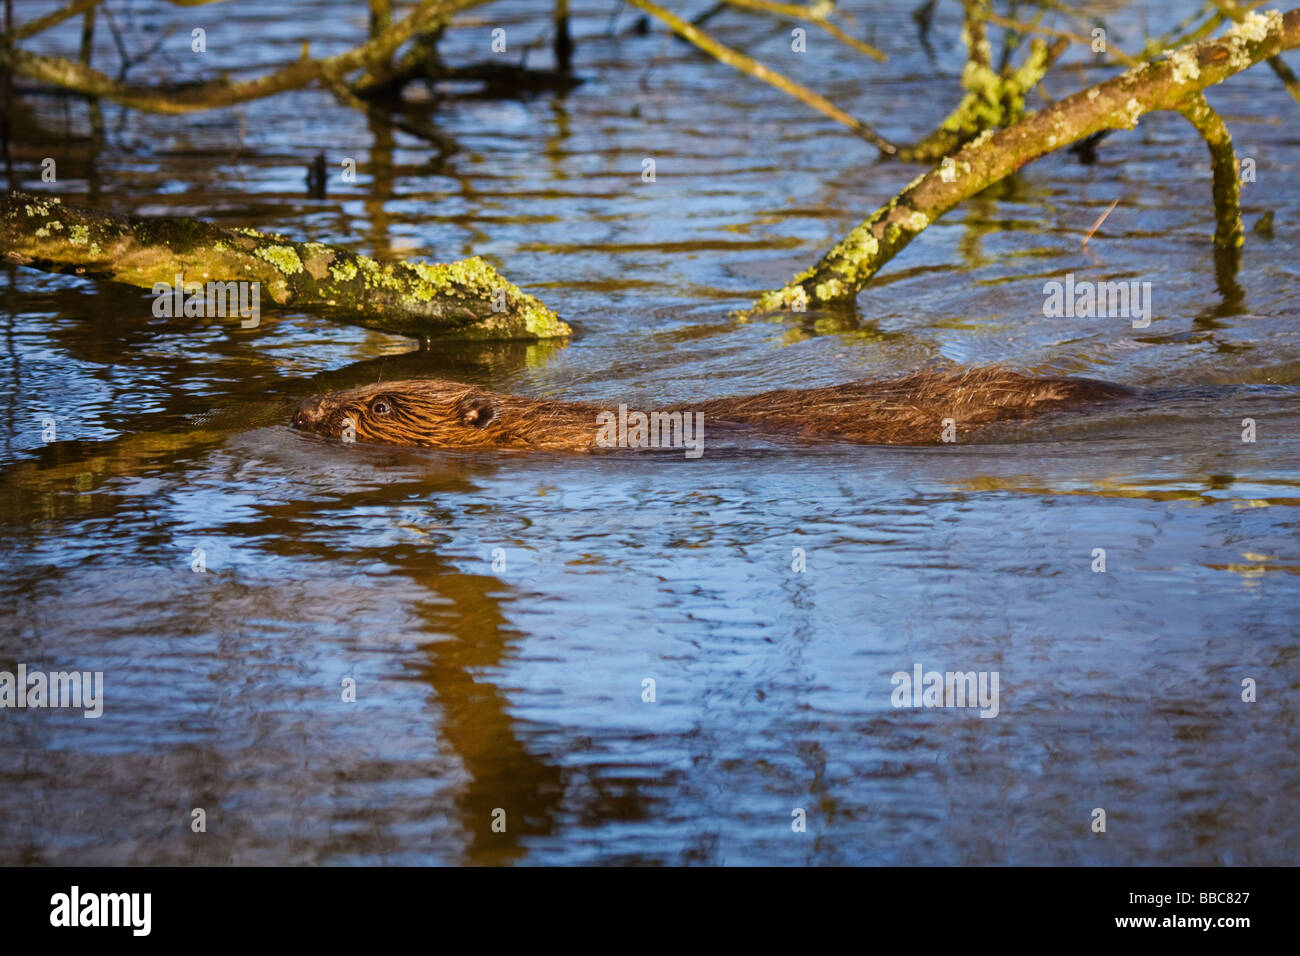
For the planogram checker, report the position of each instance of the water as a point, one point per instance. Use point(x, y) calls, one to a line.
point(499, 614)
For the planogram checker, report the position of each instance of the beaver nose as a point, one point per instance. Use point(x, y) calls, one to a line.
point(308, 413)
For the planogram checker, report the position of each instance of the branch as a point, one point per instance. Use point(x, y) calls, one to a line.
point(1115, 104)
point(1237, 14)
point(1228, 232)
point(991, 100)
point(186, 98)
point(1183, 34)
point(813, 15)
point(408, 298)
point(1229, 236)
point(1015, 26)
point(52, 19)
point(755, 69)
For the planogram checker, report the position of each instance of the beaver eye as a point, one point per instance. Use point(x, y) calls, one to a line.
point(380, 407)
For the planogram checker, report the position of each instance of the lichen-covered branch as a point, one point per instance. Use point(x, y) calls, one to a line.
point(1228, 232)
point(464, 299)
point(757, 70)
point(992, 99)
point(1284, 73)
point(1114, 104)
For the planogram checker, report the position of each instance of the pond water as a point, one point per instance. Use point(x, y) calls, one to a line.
point(500, 615)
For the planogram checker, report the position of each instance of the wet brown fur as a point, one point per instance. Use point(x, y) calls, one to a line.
point(434, 413)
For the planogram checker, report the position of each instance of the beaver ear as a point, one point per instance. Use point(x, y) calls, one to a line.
point(477, 411)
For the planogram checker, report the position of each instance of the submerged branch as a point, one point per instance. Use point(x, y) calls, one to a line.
point(1228, 232)
point(464, 299)
point(1229, 235)
point(1115, 104)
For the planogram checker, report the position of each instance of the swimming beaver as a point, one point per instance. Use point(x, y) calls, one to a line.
point(907, 411)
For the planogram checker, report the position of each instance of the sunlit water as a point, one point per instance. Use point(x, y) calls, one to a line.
point(500, 614)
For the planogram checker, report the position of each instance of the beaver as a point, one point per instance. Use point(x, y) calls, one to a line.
point(923, 408)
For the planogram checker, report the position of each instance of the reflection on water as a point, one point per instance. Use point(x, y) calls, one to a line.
point(501, 615)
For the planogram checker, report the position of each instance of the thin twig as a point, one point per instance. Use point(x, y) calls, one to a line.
point(757, 70)
point(1019, 27)
point(1097, 225)
point(796, 12)
point(52, 19)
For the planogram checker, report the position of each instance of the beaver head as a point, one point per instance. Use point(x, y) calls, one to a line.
point(432, 413)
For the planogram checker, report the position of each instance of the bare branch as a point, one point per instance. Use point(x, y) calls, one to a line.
point(812, 15)
point(757, 70)
point(52, 19)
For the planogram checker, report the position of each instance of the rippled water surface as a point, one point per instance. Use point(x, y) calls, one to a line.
point(500, 614)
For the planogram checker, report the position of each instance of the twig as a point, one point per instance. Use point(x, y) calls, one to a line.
point(755, 69)
point(87, 37)
point(1097, 225)
point(810, 14)
point(52, 19)
point(1018, 27)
